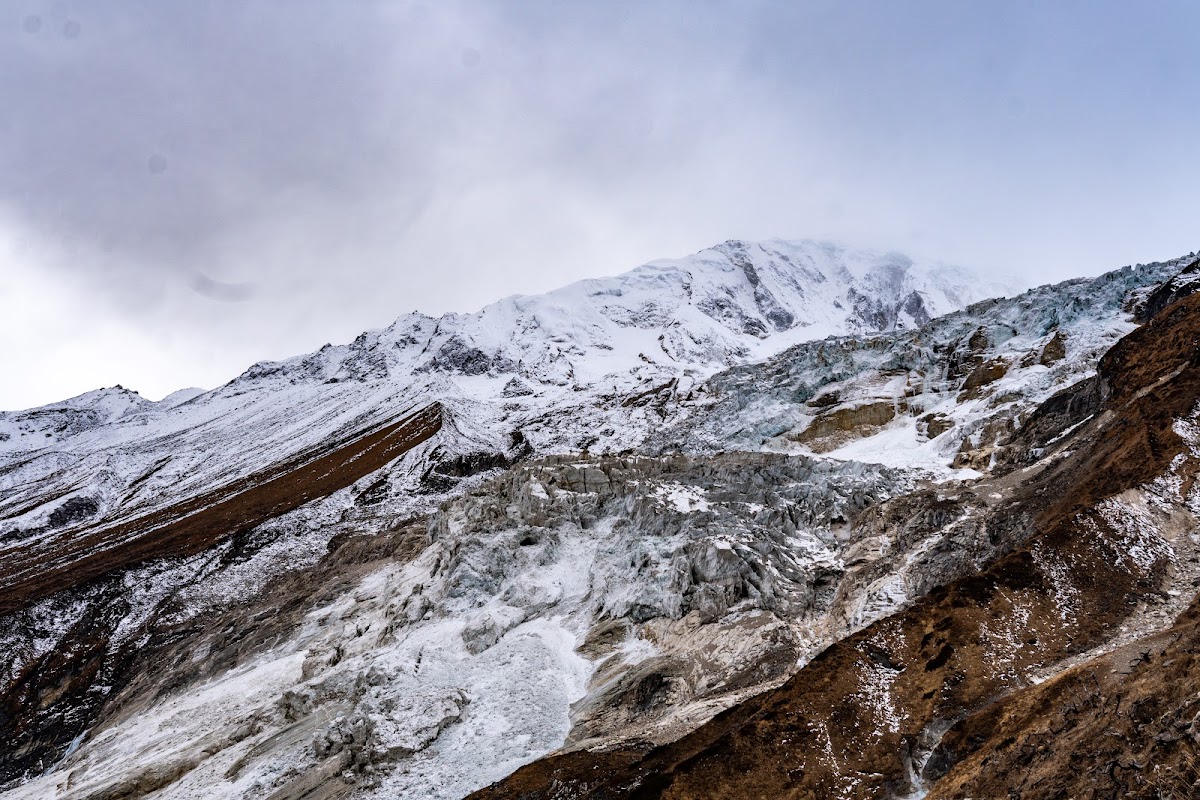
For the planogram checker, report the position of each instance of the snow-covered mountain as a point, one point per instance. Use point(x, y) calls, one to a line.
point(562, 368)
point(595, 518)
point(1032, 629)
point(733, 303)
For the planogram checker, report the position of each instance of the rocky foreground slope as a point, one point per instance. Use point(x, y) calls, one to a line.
point(527, 547)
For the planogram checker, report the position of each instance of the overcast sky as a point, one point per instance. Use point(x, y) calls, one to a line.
point(187, 188)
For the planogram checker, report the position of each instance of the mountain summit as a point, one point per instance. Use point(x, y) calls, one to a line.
point(729, 304)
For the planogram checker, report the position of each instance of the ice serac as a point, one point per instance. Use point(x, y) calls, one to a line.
point(624, 518)
point(942, 397)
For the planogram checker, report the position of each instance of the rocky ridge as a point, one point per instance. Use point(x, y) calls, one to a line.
point(162, 505)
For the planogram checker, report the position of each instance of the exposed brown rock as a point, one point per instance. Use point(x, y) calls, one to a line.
point(1123, 725)
point(968, 354)
point(1183, 284)
point(934, 425)
point(978, 451)
point(833, 428)
point(1055, 350)
point(987, 372)
point(826, 399)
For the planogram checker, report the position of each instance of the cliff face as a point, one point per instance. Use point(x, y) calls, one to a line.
point(1065, 667)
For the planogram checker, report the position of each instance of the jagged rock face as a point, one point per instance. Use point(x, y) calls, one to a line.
point(597, 365)
point(506, 564)
point(944, 697)
point(1182, 284)
point(1120, 725)
point(423, 622)
point(657, 591)
point(976, 374)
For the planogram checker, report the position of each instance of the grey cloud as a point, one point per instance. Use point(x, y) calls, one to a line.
point(172, 136)
point(222, 291)
point(330, 165)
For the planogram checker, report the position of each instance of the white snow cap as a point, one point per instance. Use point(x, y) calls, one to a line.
point(732, 303)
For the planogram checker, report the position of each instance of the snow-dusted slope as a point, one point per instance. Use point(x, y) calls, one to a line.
point(66, 418)
point(939, 397)
point(1070, 564)
point(597, 365)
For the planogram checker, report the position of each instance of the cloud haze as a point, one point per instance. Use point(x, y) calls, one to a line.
point(191, 187)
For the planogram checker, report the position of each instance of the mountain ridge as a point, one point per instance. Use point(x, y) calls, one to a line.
point(586, 556)
point(814, 261)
